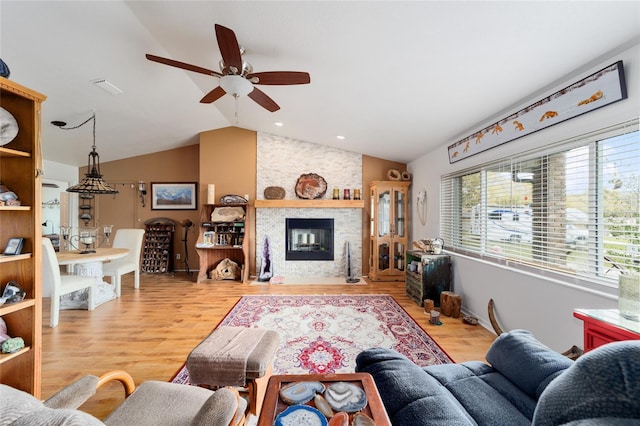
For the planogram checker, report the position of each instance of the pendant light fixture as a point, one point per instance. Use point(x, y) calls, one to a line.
point(92, 182)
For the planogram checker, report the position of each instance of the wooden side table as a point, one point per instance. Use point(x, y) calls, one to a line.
point(602, 326)
point(273, 405)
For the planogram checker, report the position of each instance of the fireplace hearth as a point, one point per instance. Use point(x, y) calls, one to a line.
point(309, 239)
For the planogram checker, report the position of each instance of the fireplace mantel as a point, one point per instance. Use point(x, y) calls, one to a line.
point(309, 204)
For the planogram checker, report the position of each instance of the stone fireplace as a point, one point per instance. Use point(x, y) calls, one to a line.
point(280, 162)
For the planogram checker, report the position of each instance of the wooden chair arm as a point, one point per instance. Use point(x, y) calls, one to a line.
point(121, 376)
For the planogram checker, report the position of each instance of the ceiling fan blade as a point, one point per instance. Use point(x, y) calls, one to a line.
point(213, 95)
point(182, 65)
point(280, 77)
point(229, 48)
point(263, 100)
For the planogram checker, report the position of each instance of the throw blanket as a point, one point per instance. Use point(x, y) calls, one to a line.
point(221, 358)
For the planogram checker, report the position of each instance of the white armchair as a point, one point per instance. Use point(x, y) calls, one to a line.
point(131, 239)
point(56, 284)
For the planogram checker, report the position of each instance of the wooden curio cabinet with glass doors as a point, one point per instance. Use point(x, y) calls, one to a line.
point(389, 230)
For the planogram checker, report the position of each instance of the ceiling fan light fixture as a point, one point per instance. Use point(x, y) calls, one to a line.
point(237, 77)
point(235, 85)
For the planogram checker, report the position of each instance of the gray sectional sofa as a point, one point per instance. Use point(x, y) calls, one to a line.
point(523, 383)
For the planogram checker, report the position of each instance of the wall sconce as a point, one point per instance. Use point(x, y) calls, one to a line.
point(45, 225)
point(142, 189)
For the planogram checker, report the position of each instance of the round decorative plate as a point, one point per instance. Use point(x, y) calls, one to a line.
point(8, 127)
point(300, 415)
point(311, 186)
point(347, 397)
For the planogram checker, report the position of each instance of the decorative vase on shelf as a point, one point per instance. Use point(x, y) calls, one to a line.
point(629, 295)
point(265, 269)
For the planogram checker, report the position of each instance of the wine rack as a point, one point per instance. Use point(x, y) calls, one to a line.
point(157, 256)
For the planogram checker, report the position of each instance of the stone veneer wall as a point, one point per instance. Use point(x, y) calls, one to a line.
point(280, 162)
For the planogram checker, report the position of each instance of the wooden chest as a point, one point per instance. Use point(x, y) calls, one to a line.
point(431, 277)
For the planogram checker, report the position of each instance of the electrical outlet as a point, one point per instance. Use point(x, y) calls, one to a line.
point(177, 256)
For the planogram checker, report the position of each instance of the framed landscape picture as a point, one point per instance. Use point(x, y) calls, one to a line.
point(174, 196)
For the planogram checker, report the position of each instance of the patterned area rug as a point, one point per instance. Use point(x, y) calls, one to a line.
point(324, 334)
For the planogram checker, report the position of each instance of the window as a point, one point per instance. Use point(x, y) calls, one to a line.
point(570, 208)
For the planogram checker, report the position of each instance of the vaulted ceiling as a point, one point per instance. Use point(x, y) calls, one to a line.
point(396, 79)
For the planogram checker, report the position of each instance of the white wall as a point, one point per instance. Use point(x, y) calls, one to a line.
point(525, 300)
point(65, 173)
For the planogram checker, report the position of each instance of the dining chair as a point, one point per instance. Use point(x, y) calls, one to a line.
point(57, 284)
point(130, 239)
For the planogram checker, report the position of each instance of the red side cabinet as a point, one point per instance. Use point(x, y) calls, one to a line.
point(602, 326)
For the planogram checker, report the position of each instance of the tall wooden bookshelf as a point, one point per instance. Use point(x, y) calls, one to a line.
point(20, 171)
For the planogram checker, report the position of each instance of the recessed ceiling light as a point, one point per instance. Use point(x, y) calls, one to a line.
point(340, 137)
point(278, 123)
point(107, 86)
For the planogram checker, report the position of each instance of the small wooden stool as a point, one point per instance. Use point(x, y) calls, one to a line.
point(450, 304)
point(208, 357)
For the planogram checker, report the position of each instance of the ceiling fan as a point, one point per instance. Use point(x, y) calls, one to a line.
point(236, 75)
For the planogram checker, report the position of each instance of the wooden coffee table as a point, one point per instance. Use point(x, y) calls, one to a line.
point(273, 405)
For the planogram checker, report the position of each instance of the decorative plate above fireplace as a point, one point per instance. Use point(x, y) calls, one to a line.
point(311, 186)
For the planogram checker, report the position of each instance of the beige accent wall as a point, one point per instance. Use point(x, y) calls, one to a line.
point(225, 157)
point(124, 210)
point(228, 160)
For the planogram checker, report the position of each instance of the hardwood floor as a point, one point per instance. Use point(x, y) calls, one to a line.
point(150, 331)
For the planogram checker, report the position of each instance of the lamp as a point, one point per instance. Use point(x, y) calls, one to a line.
point(142, 189)
point(92, 182)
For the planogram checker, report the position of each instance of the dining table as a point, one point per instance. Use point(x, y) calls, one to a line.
point(80, 262)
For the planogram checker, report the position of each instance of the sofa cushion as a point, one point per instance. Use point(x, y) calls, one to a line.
point(603, 421)
point(56, 417)
point(601, 384)
point(19, 408)
point(410, 396)
point(15, 403)
point(151, 401)
point(217, 409)
point(455, 377)
point(526, 362)
point(474, 383)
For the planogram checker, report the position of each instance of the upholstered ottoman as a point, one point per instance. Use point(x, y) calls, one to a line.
point(235, 356)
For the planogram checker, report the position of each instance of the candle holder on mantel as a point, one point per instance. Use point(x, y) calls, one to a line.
point(87, 237)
